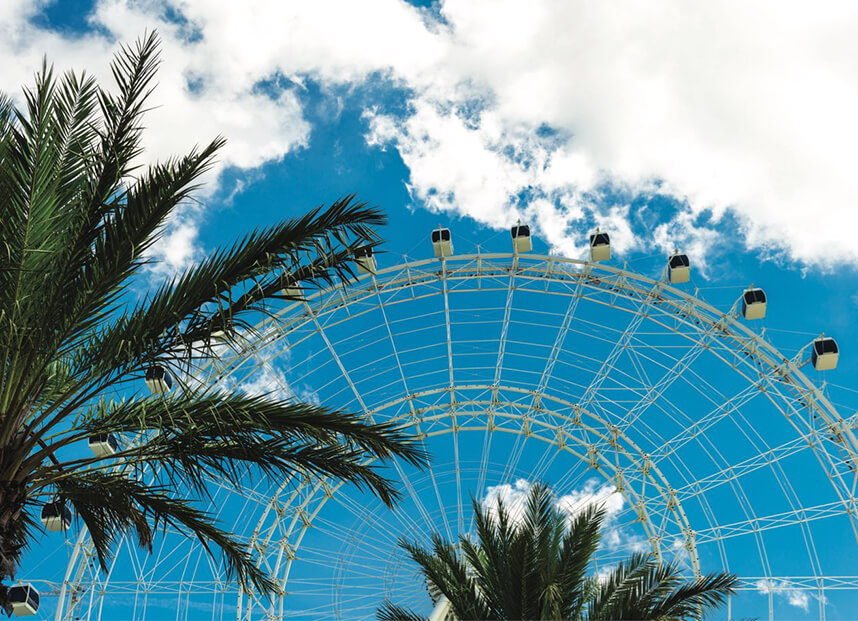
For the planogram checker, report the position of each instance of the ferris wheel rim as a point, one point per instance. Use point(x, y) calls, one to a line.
point(776, 361)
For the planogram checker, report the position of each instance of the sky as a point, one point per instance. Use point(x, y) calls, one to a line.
point(726, 130)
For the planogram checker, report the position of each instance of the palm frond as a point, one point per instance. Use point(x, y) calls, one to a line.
point(389, 611)
point(190, 308)
point(197, 438)
point(578, 547)
point(61, 177)
point(450, 576)
point(696, 598)
point(114, 257)
point(51, 223)
point(123, 238)
point(110, 503)
point(76, 221)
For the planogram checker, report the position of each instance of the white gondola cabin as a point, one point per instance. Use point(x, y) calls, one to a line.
point(294, 292)
point(103, 444)
point(678, 268)
point(24, 600)
point(365, 261)
point(825, 354)
point(521, 241)
point(56, 516)
point(600, 246)
point(158, 380)
point(442, 243)
point(754, 303)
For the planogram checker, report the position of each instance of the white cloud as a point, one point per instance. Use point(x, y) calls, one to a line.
point(514, 498)
point(785, 589)
point(268, 381)
point(592, 494)
point(177, 249)
point(195, 99)
point(725, 106)
point(527, 108)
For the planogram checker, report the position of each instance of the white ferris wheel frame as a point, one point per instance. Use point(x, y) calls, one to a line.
point(536, 413)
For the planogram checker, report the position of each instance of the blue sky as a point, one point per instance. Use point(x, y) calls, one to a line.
point(726, 131)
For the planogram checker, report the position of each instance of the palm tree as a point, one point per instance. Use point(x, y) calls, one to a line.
point(535, 567)
point(77, 216)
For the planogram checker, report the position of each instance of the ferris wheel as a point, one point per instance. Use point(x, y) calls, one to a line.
point(708, 445)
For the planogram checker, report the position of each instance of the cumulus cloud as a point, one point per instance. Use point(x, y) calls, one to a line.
point(177, 249)
point(514, 498)
point(268, 381)
point(737, 106)
point(199, 96)
point(560, 112)
point(785, 589)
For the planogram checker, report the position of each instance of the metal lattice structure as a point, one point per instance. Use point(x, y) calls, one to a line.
point(715, 450)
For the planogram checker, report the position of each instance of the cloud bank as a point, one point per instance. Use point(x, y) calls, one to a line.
point(571, 114)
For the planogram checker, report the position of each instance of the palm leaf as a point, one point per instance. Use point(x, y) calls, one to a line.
point(76, 220)
point(696, 598)
point(450, 576)
point(578, 547)
point(198, 438)
point(534, 567)
point(109, 503)
point(391, 612)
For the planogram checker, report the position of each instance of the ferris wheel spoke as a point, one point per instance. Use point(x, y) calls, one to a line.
point(460, 514)
point(799, 583)
point(488, 434)
point(407, 391)
point(545, 377)
point(418, 503)
point(355, 508)
point(379, 543)
point(322, 558)
point(502, 340)
point(622, 343)
point(492, 408)
point(777, 520)
point(653, 392)
point(557, 346)
point(740, 469)
point(702, 424)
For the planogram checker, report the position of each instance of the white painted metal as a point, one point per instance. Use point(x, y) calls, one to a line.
point(103, 445)
point(411, 314)
point(753, 303)
point(600, 247)
point(441, 611)
point(521, 239)
point(442, 243)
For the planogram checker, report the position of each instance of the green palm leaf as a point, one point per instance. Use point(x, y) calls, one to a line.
point(109, 503)
point(77, 216)
point(389, 611)
point(535, 566)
